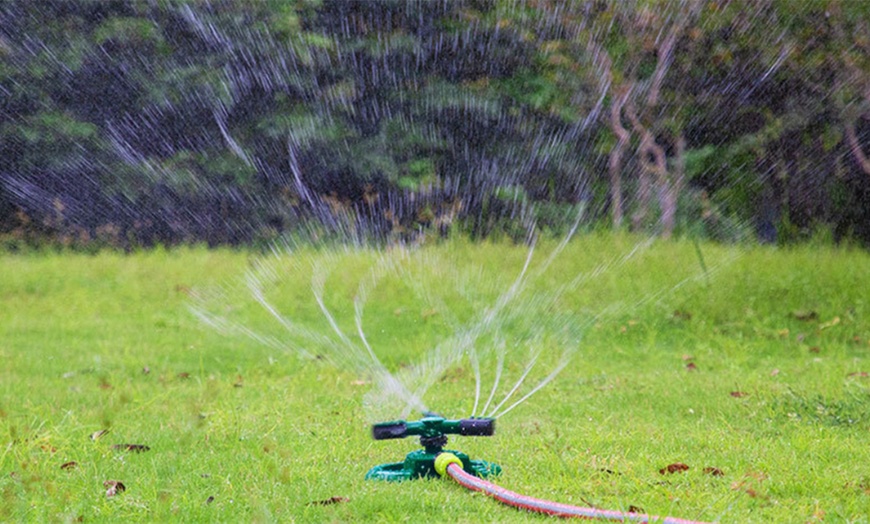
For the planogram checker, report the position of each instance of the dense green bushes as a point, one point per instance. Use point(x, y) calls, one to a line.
point(134, 123)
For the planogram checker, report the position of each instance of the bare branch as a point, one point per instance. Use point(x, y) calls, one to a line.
point(855, 147)
point(665, 53)
point(615, 160)
point(652, 156)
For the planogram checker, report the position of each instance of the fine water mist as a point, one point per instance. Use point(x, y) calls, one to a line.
point(376, 120)
point(417, 324)
point(479, 162)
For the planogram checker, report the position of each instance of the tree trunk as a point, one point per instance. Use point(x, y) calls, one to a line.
point(646, 150)
point(654, 164)
point(855, 148)
point(615, 159)
point(671, 185)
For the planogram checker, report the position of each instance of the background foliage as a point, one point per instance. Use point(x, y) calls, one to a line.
point(141, 122)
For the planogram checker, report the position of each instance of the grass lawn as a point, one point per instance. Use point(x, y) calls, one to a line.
point(760, 371)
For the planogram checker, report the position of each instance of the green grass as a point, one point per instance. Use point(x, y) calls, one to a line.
point(262, 434)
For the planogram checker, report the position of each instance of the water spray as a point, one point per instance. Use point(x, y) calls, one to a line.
point(433, 431)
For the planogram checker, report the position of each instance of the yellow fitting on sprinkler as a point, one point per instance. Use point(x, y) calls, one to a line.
point(445, 459)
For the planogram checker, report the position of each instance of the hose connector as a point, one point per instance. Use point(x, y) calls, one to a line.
point(443, 460)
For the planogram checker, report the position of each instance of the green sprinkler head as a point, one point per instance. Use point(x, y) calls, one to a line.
point(433, 431)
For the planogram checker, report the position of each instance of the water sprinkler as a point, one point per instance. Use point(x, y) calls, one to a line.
point(433, 431)
point(434, 461)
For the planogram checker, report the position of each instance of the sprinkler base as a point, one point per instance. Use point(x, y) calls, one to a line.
point(421, 464)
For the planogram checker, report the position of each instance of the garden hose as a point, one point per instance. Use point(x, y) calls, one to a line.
point(450, 465)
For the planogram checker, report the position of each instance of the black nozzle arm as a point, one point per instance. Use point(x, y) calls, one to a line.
point(434, 426)
point(477, 427)
point(389, 430)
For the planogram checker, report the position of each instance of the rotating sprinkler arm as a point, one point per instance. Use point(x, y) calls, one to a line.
point(434, 427)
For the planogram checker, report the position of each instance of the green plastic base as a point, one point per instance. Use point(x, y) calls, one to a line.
point(421, 463)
